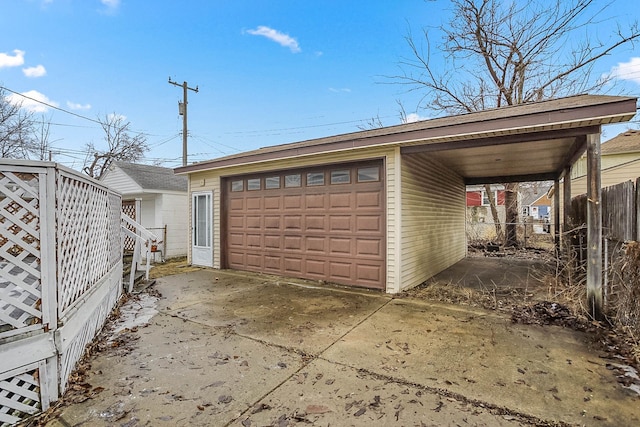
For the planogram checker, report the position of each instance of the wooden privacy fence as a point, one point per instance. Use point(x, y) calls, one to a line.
point(60, 276)
point(620, 205)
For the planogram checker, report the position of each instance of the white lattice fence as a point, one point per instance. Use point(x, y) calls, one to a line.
point(88, 236)
point(20, 250)
point(60, 276)
point(19, 393)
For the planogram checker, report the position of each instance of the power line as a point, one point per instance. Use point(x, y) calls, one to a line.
point(51, 105)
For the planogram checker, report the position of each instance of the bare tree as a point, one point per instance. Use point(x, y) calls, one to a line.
point(506, 53)
point(121, 146)
point(16, 129)
point(41, 144)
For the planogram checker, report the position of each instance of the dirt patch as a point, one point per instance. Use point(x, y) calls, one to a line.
point(172, 266)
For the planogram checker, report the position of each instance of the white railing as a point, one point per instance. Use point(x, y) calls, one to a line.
point(144, 240)
point(60, 276)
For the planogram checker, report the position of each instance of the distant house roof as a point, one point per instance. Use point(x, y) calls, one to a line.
point(154, 177)
point(531, 194)
point(626, 142)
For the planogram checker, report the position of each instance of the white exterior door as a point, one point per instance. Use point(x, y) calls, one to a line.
point(202, 221)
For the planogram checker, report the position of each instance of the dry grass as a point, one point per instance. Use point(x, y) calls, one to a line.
point(170, 267)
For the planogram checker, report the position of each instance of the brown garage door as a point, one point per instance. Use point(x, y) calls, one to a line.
point(322, 223)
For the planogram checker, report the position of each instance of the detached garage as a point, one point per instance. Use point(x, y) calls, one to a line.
point(382, 208)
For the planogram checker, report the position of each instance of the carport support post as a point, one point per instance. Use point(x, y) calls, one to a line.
point(556, 213)
point(594, 228)
point(566, 211)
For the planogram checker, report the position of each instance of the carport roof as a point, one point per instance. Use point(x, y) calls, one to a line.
point(524, 142)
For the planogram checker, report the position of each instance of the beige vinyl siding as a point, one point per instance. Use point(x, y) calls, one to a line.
point(211, 181)
point(433, 219)
point(609, 177)
point(607, 161)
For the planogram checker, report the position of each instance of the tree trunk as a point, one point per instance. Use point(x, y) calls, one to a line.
point(494, 213)
point(511, 205)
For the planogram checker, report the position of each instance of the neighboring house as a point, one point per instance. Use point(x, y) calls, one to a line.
point(534, 200)
point(162, 200)
point(381, 208)
point(478, 206)
point(620, 161)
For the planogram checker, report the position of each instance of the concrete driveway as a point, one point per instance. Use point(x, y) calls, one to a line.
point(229, 348)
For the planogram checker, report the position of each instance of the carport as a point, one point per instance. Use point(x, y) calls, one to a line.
point(425, 166)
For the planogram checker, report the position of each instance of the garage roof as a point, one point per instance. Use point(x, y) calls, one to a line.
point(525, 142)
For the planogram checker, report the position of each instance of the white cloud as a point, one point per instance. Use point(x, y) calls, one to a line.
point(414, 117)
point(15, 60)
point(116, 117)
point(111, 5)
point(627, 70)
point(37, 71)
point(32, 101)
point(278, 37)
point(75, 106)
point(340, 90)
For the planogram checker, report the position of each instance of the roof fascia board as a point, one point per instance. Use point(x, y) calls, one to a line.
point(551, 176)
point(469, 129)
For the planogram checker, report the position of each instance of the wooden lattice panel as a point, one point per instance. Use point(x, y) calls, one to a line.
point(129, 209)
point(19, 394)
point(86, 232)
point(20, 277)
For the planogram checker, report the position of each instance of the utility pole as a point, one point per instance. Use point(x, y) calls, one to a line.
point(182, 110)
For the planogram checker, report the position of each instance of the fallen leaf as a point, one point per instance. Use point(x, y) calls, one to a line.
point(317, 409)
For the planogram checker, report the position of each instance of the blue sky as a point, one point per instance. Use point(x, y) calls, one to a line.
point(268, 72)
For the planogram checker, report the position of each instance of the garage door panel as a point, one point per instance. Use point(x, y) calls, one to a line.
point(340, 271)
point(292, 265)
point(254, 260)
point(272, 242)
point(254, 241)
point(254, 222)
point(236, 205)
point(369, 273)
point(292, 223)
point(236, 222)
point(368, 223)
point(314, 201)
point(254, 203)
point(273, 263)
point(369, 247)
point(333, 232)
point(315, 223)
point(272, 222)
point(273, 203)
point(340, 201)
point(236, 259)
point(292, 243)
point(368, 199)
point(316, 268)
point(236, 239)
point(316, 244)
point(293, 202)
point(340, 246)
point(340, 223)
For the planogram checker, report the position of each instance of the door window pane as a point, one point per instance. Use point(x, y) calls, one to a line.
point(292, 180)
point(341, 177)
point(369, 174)
point(315, 178)
point(253, 184)
point(237, 185)
point(272, 182)
point(201, 211)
